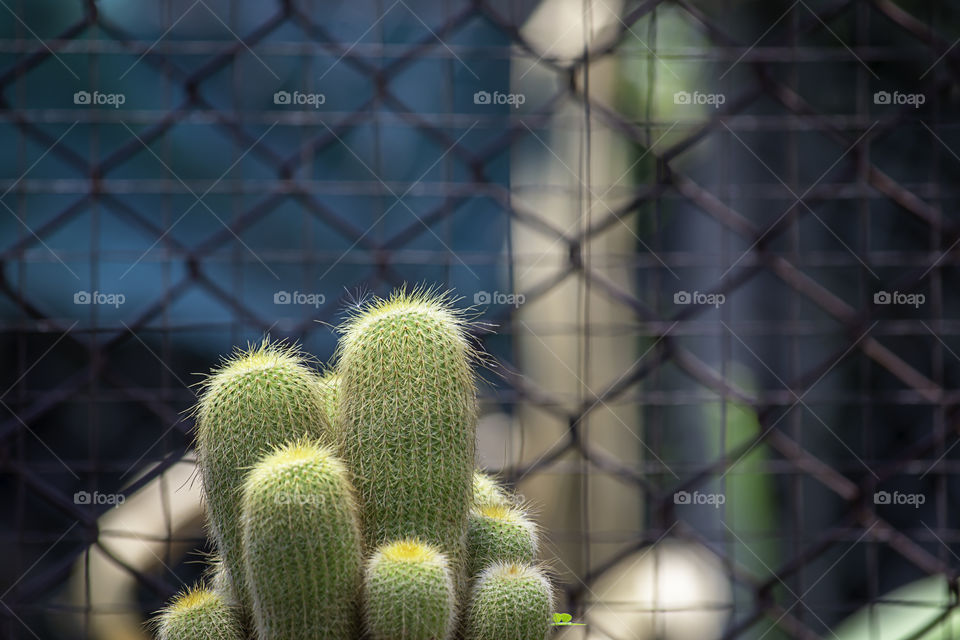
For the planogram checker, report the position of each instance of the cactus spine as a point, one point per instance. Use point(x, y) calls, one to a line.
point(301, 543)
point(256, 400)
point(408, 420)
point(499, 534)
point(198, 614)
point(409, 593)
point(510, 602)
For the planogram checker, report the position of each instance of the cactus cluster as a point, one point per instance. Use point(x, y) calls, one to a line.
point(347, 505)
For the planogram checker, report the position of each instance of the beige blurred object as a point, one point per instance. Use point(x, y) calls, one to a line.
point(672, 591)
point(496, 438)
point(556, 28)
point(137, 534)
point(570, 341)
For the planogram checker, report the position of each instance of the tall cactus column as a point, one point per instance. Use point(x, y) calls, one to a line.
point(258, 399)
point(407, 415)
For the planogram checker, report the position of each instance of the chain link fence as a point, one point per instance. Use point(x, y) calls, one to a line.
point(710, 247)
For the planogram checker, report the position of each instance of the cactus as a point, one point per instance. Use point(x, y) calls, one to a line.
point(409, 593)
point(407, 416)
point(510, 602)
point(301, 543)
point(487, 492)
point(499, 533)
point(257, 399)
point(198, 614)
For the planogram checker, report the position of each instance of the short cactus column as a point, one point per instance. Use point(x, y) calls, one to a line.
point(302, 547)
point(409, 593)
point(510, 602)
point(487, 492)
point(500, 534)
point(198, 614)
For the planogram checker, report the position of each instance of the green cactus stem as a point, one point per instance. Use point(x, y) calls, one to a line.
point(510, 602)
point(408, 420)
point(488, 492)
point(500, 534)
point(302, 546)
point(258, 399)
point(198, 614)
point(409, 593)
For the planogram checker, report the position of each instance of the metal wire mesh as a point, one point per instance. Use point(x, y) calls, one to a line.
point(772, 228)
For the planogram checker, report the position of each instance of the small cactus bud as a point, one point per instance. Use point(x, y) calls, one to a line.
point(198, 614)
point(409, 593)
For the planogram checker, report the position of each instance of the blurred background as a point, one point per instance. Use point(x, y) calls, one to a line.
point(714, 243)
